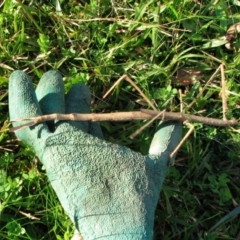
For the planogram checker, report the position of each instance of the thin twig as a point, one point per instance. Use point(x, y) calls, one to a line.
point(183, 140)
point(123, 116)
point(211, 56)
point(224, 98)
point(204, 88)
point(235, 130)
point(140, 91)
point(113, 86)
point(128, 79)
point(29, 215)
point(181, 100)
point(132, 136)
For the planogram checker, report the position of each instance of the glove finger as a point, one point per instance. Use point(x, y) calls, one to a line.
point(50, 94)
point(77, 100)
point(166, 139)
point(23, 104)
point(163, 144)
point(95, 130)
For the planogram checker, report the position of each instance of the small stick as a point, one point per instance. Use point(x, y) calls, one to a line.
point(113, 86)
point(224, 99)
point(181, 100)
point(128, 79)
point(183, 140)
point(211, 56)
point(29, 215)
point(204, 88)
point(132, 136)
point(235, 130)
point(123, 116)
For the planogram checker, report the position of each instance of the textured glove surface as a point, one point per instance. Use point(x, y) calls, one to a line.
point(108, 191)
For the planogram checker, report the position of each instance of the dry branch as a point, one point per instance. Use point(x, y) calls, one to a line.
point(123, 116)
point(193, 118)
point(224, 98)
point(128, 79)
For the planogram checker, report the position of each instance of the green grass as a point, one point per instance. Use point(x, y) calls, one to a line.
point(96, 42)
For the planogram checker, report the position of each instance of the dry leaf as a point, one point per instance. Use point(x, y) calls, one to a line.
point(187, 76)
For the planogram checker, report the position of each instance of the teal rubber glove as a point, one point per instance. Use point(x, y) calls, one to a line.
point(108, 191)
